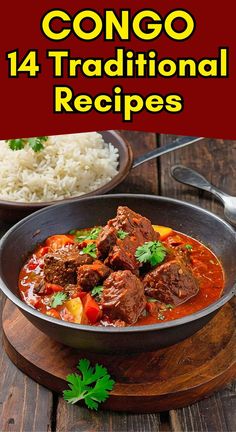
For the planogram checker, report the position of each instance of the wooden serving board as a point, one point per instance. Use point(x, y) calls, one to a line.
point(150, 382)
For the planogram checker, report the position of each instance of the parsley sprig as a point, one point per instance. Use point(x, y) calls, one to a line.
point(90, 249)
point(122, 234)
point(169, 306)
point(58, 299)
point(92, 385)
point(97, 291)
point(16, 144)
point(88, 235)
point(35, 143)
point(152, 300)
point(152, 252)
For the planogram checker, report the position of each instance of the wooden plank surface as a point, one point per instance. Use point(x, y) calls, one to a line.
point(216, 160)
point(214, 414)
point(143, 179)
point(26, 406)
point(80, 419)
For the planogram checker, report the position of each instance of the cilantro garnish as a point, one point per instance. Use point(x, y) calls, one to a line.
point(88, 235)
point(188, 247)
point(90, 249)
point(35, 143)
point(169, 306)
point(122, 234)
point(58, 299)
point(152, 252)
point(16, 144)
point(81, 388)
point(152, 300)
point(97, 291)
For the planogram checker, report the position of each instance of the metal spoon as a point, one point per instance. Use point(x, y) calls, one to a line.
point(193, 178)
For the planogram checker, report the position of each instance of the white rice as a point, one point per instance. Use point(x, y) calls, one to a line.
point(68, 166)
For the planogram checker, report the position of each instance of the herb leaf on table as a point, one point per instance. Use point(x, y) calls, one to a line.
point(81, 388)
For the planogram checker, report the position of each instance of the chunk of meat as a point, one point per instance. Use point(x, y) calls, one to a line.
point(122, 256)
point(72, 290)
point(106, 240)
point(123, 297)
point(90, 275)
point(121, 252)
point(39, 288)
point(60, 267)
point(171, 282)
point(177, 247)
point(46, 288)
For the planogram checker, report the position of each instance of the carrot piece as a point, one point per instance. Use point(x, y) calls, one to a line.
point(163, 231)
point(58, 241)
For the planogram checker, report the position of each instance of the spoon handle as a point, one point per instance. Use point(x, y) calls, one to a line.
point(192, 178)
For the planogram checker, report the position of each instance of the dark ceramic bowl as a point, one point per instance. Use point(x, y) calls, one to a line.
point(11, 211)
point(192, 220)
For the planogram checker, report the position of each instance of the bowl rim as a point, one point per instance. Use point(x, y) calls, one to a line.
point(115, 181)
point(131, 329)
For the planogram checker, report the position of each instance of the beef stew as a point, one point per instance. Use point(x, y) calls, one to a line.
point(128, 272)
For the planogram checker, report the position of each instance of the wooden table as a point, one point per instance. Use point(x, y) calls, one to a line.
point(26, 406)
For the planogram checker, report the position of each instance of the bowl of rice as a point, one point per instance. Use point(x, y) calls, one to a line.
point(66, 168)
